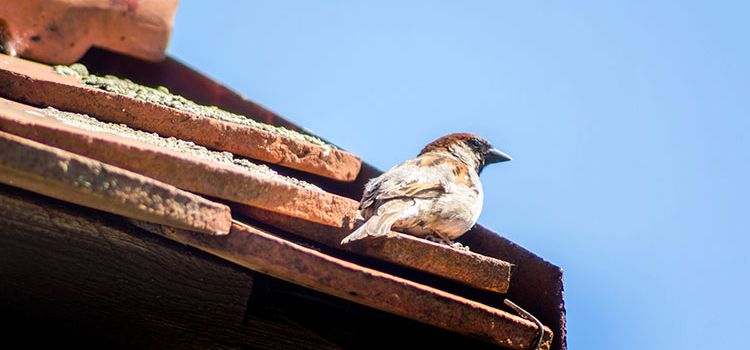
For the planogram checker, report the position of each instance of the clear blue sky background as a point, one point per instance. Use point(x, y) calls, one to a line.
point(628, 124)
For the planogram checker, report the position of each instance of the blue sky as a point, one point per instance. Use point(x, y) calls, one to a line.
point(628, 124)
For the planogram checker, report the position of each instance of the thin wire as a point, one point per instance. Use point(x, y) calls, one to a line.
point(525, 314)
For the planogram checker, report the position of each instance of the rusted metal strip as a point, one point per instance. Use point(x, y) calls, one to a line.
point(268, 254)
point(63, 175)
point(311, 213)
point(537, 284)
point(38, 84)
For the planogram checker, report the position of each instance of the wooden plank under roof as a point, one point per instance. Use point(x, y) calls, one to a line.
point(258, 251)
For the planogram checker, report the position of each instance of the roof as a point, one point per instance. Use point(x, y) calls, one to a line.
point(78, 136)
point(59, 31)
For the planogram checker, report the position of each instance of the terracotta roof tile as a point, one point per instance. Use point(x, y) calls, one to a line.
point(61, 31)
point(261, 188)
point(38, 84)
point(63, 175)
point(260, 251)
point(476, 270)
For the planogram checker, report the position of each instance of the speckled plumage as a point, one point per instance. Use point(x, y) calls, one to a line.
point(438, 193)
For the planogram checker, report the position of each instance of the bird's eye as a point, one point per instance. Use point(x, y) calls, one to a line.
point(475, 143)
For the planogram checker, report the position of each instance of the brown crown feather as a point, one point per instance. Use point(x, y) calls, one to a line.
point(444, 142)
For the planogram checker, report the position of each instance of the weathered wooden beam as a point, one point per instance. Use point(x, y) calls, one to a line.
point(76, 179)
point(38, 84)
point(76, 275)
point(268, 254)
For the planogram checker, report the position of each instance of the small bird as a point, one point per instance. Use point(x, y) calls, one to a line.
point(437, 195)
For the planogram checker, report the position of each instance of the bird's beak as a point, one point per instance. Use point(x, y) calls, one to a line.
point(495, 155)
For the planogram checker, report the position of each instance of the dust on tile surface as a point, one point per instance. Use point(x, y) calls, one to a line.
point(162, 96)
point(85, 122)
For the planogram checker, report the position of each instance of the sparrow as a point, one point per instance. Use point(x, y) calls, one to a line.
point(437, 195)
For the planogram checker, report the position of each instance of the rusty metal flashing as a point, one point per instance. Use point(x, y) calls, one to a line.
point(537, 284)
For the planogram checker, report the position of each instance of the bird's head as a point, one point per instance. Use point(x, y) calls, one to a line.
point(471, 149)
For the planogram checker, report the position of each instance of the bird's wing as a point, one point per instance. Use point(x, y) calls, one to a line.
point(427, 176)
point(380, 224)
point(390, 196)
point(415, 190)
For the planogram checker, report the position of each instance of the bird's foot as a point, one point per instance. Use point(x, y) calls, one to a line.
point(459, 246)
point(440, 240)
point(434, 239)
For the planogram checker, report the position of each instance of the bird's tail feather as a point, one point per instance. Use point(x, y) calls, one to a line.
point(376, 226)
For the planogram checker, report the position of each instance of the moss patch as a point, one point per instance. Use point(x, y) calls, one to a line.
point(162, 96)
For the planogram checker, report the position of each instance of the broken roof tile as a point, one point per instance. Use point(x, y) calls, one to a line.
point(61, 31)
point(76, 179)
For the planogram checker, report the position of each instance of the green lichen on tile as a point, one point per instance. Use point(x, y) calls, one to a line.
point(162, 96)
point(85, 122)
